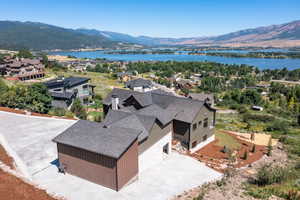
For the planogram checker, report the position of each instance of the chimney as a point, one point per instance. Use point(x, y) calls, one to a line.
point(114, 102)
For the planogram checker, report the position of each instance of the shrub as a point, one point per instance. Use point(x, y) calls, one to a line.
point(245, 156)
point(268, 175)
point(258, 117)
point(57, 112)
point(278, 125)
point(242, 109)
point(78, 109)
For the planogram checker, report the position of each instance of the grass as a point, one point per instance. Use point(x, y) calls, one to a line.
point(93, 114)
point(104, 82)
point(226, 140)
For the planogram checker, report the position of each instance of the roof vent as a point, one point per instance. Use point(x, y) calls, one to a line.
point(104, 126)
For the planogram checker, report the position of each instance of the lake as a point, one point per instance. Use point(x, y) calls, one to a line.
point(262, 63)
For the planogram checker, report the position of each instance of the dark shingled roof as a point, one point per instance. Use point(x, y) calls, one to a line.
point(66, 82)
point(143, 123)
point(94, 137)
point(161, 105)
point(140, 82)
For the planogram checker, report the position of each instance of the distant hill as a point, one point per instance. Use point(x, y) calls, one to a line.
point(38, 36)
point(283, 35)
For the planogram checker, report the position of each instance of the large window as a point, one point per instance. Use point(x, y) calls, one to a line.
point(205, 122)
point(204, 137)
point(194, 126)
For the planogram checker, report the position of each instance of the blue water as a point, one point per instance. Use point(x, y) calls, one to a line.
point(261, 63)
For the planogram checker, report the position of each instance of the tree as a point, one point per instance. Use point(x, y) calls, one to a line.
point(253, 148)
point(24, 53)
point(270, 148)
point(39, 98)
point(78, 109)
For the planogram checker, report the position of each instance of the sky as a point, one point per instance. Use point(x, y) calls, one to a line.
point(156, 18)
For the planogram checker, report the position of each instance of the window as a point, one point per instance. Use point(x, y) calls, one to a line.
point(166, 148)
point(199, 123)
point(204, 137)
point(58, 90)
point(194, 126)
point(85, 86)
point(194, 144)
point(205, 123)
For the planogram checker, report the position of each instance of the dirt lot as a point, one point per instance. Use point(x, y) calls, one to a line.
point(7, 160)
point(215, 158)
point(13, 188)
point(232, 187)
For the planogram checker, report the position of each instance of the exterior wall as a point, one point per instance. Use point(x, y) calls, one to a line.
point(151, 151)
point(197, 135)
point(182, 132)
point(127, 166)
point(87, 165)
point(202, 144)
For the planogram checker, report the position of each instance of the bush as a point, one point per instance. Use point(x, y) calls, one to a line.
point(268, 175)
point(57, 112)
point(278, 125)
point(78, 109)
point(242, 109)
point(245, 156)
point(258, 117)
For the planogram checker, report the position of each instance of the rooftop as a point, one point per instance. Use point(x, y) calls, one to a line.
point(66, 82)
point(97, 138)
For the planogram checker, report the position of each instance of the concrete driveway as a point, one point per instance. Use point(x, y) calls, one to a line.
point(29, 139)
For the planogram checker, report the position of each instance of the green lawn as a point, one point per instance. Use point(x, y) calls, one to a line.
point(226, 140)
point(104, 82)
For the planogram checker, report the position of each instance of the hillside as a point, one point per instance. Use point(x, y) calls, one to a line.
point(283, 35)
point(38, 36)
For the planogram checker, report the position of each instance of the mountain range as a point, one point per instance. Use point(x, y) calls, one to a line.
point(39, 36)
point(283, 35)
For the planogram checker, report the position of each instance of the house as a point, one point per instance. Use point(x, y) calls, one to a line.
point(208, 98)
point(193, 120)
point(183, 84)
point(22, 68)
point(140, 84)
point(64, 90)
point(135, 135)
point(125, 76)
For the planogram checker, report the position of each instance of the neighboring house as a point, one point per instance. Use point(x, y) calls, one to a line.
point(22, 68)
point(208, 98)
point(140, 84)
point(183, 84)
point(125, 76)
point(65, 90)
point(135, 135)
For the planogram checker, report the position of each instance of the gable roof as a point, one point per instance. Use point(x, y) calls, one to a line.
point(164, 106)
point(143, 123)
point(140, 82)
point(94, 137)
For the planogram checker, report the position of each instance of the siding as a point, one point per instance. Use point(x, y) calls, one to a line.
point(127, 166)
point(198, 134)
point(87, 165)
point(157, 132)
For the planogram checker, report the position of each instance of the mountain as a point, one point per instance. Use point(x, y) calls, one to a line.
point(39, 36)
point(283, 35)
